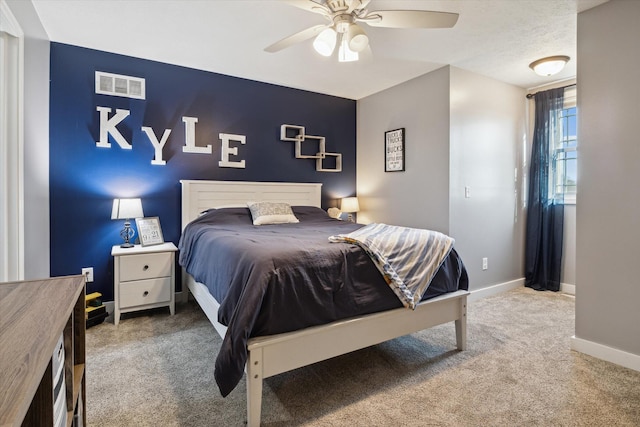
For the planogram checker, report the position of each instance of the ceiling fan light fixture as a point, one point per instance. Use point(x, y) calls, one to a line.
point(325, 42)
point(550, 65)
point(357, 38)
point(343, 30)
point(345, 54)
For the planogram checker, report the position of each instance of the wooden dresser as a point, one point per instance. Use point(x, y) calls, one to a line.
point(33, 316)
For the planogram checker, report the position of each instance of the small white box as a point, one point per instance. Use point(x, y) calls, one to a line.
point(59, 386)
point(57, 360)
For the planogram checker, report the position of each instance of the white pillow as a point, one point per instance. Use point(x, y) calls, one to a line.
point(271, 213)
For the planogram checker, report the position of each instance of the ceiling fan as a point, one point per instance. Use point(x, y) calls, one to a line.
point(343, 29)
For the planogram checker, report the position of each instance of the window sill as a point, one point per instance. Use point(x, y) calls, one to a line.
point(567, 201)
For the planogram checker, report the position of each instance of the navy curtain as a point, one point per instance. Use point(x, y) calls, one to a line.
point(545, 213)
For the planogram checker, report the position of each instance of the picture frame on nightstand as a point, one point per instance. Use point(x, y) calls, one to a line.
point(149, 231)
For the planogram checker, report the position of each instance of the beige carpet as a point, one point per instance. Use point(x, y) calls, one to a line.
point(157, 370)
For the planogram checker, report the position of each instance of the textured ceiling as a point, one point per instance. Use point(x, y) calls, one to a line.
point(495, 38)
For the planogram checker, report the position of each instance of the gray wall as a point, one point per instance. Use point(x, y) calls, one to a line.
point(462, 129)
point(486, 146)
point(36, 139)
point(418, 197)
point(608, 213)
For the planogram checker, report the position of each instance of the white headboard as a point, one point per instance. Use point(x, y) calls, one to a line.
point(198, 196)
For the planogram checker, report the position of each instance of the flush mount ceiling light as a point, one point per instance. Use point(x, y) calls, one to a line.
point(343, 29)
point(550, 65)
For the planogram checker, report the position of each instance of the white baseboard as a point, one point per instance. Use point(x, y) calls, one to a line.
point(610, 354)
point(495, 289)
point(567, 288)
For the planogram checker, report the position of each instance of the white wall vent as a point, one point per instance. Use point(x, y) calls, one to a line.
point(118, 85)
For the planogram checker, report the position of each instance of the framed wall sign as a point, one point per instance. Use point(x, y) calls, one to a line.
point(149, 231)
point(394, 150)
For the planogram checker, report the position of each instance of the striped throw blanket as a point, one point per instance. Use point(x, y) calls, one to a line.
point(408, 258)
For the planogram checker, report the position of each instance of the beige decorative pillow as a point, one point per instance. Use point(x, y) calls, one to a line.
point(271, 213)
point(334, 213)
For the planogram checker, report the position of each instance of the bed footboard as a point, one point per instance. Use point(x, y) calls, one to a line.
point(275, 354)
point(280, 353)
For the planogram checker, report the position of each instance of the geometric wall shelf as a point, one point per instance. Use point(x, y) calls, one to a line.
point(297, 134)
point(320, 167)
point(319, 152)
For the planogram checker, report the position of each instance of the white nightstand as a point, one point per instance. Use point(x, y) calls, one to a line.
point(144, 277)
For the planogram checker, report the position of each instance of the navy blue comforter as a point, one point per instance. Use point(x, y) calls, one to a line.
point(279, 278)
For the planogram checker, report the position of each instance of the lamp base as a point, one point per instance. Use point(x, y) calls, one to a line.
point(127, 233)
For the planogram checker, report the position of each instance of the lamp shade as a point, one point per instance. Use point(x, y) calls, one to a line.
point(358, 40)
point(127, 209)
point(325, 42)
point(549, 66)
point(345, 54)
point(349, 204)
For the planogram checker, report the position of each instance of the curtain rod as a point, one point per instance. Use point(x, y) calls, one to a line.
point(531, 95)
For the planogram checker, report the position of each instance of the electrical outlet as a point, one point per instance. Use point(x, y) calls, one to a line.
point(87, 272)
point(467, 192)
point(485, 263)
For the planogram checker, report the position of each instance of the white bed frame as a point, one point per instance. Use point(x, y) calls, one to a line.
point(274, 354)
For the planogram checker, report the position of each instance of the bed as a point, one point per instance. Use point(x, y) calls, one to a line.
point(264, 353)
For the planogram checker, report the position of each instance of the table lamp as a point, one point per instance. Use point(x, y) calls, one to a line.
point(349, 205)
point(127, 209)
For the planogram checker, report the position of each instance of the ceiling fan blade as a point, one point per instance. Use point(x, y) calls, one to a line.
point(357, 4)
point(310, 6)
point(410, 19)
point(296, 38)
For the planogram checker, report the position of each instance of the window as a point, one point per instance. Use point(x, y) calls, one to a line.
point(564, 168)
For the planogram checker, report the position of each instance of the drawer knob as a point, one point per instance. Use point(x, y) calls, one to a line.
point(145, 293)
point(145, 268)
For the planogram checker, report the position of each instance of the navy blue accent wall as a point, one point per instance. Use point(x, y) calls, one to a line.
point(84, 178)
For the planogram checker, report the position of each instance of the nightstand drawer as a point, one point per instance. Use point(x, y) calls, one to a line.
point(143, 292)
point(145, 266)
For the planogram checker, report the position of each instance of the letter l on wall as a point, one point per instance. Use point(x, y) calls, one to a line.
point(190, 137)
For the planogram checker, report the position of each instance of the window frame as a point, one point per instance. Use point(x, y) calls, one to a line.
point(570, 101)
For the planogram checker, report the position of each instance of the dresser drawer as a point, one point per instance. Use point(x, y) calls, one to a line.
point(143, 292)
point(145, 266)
